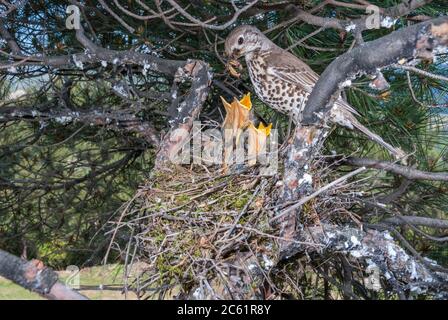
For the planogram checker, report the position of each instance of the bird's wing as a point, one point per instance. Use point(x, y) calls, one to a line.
point(287, 67)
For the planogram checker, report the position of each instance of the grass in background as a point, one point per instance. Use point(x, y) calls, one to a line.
point(92, 277)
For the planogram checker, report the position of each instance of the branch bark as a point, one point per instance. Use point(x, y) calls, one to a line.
point(183, 111)
point(115, 120)
point(403, 271)
point(417, 221)
point(357, 25)
point(34, 276)
point(418, 41)
point(186, 111)
point(407, 172)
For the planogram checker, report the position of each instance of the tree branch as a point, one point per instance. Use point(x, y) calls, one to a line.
point(418, 41)
point(399, 268)
point(357, 25)
point(199, 23)
point(113, 120)
point(34, 276)
point(8, 38)
point(417, 221)
point(407, 172)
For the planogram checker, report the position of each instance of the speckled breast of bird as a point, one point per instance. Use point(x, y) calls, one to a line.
point(279, 95)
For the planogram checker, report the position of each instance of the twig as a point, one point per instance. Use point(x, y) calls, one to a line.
point(318, 192)
point(420, 71)
point(197, 22)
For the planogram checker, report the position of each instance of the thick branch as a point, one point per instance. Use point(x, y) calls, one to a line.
point(357, 25)
point(32, 275)
point(417, 221)
point(400, 269)
point(407, 172)
point(185, 112)
point(114, 120)
point(418, 41)
point(94, 54)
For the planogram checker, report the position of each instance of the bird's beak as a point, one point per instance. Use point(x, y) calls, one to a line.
point(237, 115)
point(234, 54)
point(257, 141)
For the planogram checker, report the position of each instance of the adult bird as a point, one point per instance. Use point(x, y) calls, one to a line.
point(284, 82)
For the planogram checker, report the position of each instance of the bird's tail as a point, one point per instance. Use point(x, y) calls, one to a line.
point(396, 152)
point(348, 119)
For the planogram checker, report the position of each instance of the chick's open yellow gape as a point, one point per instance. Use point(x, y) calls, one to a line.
point(237, 117)
point(237, 120)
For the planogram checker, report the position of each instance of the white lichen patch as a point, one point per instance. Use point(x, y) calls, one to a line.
point(78, 63)
point(356, 253)
point(198, 294)
point(433, 262)
point(104, 63)
point(252, 267)
point(146, 66)
point(18, 94)
point(268, 263)
point(387, 235)
point(119, 88)
point(416, 289)
point(414, 273)
point(370, 264)
point(391, 251)
point(355, 241)
point(350, 27)
point(307, 178)
point(388, 22)
point(340, 118)
point(279, 184)
point(298, 154)
point(63, 119)
point(437, 51)
point(346, 83)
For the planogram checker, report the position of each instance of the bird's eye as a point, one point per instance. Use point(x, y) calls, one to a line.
point(240, 40)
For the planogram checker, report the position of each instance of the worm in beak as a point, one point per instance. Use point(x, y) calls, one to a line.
point(233, 66)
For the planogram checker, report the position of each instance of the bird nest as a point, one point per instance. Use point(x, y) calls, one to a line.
point(190, 224)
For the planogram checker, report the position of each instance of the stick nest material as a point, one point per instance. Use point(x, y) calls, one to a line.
point(189, 224)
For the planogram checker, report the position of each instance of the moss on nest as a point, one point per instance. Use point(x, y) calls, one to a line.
point(189, 224)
